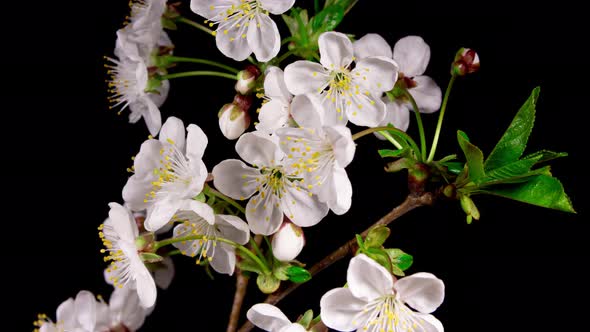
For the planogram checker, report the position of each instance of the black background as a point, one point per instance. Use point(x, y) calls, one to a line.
point(65, 154)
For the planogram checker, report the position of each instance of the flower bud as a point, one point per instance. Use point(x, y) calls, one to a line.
point(243, 102)
point(247, 80)
point(288, 242)
point(466, 62)
point(469, 208)
point(233, 121)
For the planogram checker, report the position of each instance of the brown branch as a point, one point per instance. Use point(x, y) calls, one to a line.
point(349, 248)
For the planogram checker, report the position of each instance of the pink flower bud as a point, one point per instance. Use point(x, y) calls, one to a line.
point(233, 121)
point(288, 242)
point(247, 80)
point(466, 62)
point(243, 102)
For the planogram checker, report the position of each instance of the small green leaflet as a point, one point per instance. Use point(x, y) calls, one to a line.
point(473, 155)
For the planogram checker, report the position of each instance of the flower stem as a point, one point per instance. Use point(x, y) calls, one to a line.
point(203, 61)
point(195, 25)
point(198, 73)
point(254, 245)
point(384, 131)
point(316, 6)
point(441, 115)
point(173, 253)
point(210, 191)
point(285, 56)
point(419, 122)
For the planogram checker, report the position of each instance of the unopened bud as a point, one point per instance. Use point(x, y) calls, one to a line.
point(247, 80)
point(469, 208)
point(288, 242)
point(243, 102)
point(466, 62)
point(233, 121)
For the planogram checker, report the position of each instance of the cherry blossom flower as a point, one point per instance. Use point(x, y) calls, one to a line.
point(275, 112)
point(278, 192)
point(167, 171)
point(375, 301)
point(244, 26)
point(271, 319)
point(347, 93)
point(199, 219)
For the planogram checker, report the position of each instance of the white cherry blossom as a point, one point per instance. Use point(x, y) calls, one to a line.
point(82, 314)
point(348, 94)
point(167, 170)
point(272, 319)
point(244, 26)
point(199, 219)
point(287, 242)
point(275, 111)
point(271, 189)
point(375, 301)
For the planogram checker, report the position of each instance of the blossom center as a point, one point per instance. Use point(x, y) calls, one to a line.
point(388, 314)
point(193, 224)
point(126, 82)
point(236, 16)
point(174, 174)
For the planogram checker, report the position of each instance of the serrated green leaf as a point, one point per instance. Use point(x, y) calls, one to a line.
point(511, 170)
point(386, 153)
point(298, 274)
point(473, 155)
point(546, 155)
point(513, 142)
point(306, 319)
point(377, 236)
point(540, 190)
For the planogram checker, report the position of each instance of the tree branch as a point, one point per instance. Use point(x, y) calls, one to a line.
point(349, 248)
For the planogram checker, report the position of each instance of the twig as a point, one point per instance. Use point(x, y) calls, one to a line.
point(349, 248)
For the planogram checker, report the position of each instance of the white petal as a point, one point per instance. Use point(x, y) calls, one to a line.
point(66, 312)
point(263, 37)
point(123, 222)
point(277, 7)
point(342, 144)
point(367, 279)
point(274, 84)
point(372, 44)
point(288, 242)
point(422, 291)
point(134, 193)
point(188, 248)
point(146, 288)
point(273, 115)
point(376, 74)
point(428, 323)
point(305, 77)
point(267, 317)
point(264, 213)
point(427, 94)
point(86, 310)
point(173, 132)
point(161, 213)
point(235, 179)
point(165, 273)
point(306, 111)
point(258, 150)
point(336, 50)
point(224, 259)
point(396, 114)
point(341, 198)
point(201, 210)
point(412, 55)
point(294, 327)
point(148, 158)
point(303, 210)
point(233, 228)
point(124, 304)
point(231, 40)
point(211, 8)
point(196, 142)
point(161, 95)
point(366, 110)
point(339, 308)
point(152, 117)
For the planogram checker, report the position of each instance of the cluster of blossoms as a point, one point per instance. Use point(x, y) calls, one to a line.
point(290, 175)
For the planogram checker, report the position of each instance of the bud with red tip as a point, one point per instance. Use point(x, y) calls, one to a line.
point(466, 62)
point(247, 80)
point(233, 120)
point(288, 242)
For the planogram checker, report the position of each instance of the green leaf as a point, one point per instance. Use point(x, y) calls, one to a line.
point(249, 265)
point(360, 242)
point(473, 155)
point(298, 274)
point(541, 190)
point(327, 19)
point(149, 257)
point(454, 167)
point(400, 258)
point(513, 142)
point(546, 155)
point(513, 170)
point(385, 153)
point(377, 236)
point(306, 319)
point(280, 270)
point(380, 256)
point(267, 283)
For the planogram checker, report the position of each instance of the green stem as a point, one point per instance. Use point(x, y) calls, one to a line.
point(441, 115)
point(419, 121)
point(208, 190)
point(391, 139)
point(256, 248)
point(241, 248)
point(316, 6)
point(198, 73)
point(195, 24)
point(252, 61)
point(173, 252)
point(203, 61)
point(284, 56)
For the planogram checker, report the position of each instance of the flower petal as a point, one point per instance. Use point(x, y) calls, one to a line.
point(235, 179)
point(152, 116)
point(224, 259)
point(422, 291)
point(258, 150)
point(66, 312)
point(306, 111)
point(161, 95)
point(427, 94)
point(412, 55)
point(273, 115)
point(196, 142)
point(146, 287)
point(274, 84)
point(365, 110)
point(342, 144)
point(231, 38)
point(294, 327)
point(173, 132)
point(211, 8)
point(341, 189)
point(367, 279)
point(123, 222)
point(277, 7)
point(427, 323)
point(336, 50)
point(124, 302)
point(165, 273)
point(233, 228)
point(303, 209)
point(267, 317)
point(396, 114)
point(372, 44)
point(86, 310)
point(340, 309)
point(264, 213)
point(263, 37)
point(306, 77)
point(376, 74)
point(161, 213)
